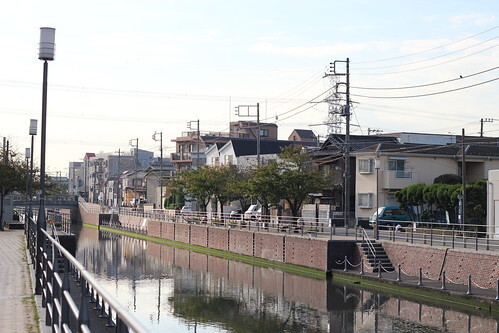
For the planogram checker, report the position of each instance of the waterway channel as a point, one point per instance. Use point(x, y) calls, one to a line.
point(176, 290)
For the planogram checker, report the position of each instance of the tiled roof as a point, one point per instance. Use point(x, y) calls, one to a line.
point(244, 147)
point(305, 134)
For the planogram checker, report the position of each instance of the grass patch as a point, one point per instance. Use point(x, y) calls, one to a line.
point(422, 295)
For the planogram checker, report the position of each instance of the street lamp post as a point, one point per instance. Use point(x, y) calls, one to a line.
point(377, 164)
point(33, 124)
point(26, 213)
point(46, 53)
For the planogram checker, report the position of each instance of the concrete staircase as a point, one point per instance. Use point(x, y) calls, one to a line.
point(375, 253)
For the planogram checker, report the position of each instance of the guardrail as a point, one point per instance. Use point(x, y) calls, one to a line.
point(472, 236)
point(57, 266)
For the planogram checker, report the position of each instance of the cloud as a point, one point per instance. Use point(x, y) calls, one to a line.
point(308, 51)
point(475, 19)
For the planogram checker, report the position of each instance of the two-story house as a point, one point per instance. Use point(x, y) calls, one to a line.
point(385, 168)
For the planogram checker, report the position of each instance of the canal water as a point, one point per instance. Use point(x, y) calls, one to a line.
point(176, 290)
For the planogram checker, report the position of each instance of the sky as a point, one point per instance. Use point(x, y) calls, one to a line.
point(127, 69)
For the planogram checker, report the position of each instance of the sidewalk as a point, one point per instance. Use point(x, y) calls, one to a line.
point(17, 301)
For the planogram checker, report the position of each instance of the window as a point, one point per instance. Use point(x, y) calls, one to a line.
point(398, 166)
point(228, 159)
point(366, 165)
point(365, 200)
point(264, 133)
point(214, 160)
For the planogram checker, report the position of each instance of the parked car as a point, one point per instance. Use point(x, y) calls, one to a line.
point(253, 212)
point(391, 216)
point(235, 214)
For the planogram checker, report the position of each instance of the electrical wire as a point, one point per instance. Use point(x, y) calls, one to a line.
point(429, 59)
point(427, 84)
point(428, 50)
point(428, 94)
point(429, 66)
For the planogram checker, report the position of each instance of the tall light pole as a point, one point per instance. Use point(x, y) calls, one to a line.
point(377, 165)
point(161, 165)
point(46, 53)
point(257, 115)
point(33, 126)
point(26, 213)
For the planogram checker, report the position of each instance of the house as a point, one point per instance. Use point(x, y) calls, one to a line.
point(249, 130)
point(156, 177)
point(303, 136)
point(190, 149)
point(329, 158)
point(243, 152)
point(385, 168)
point(133, 189)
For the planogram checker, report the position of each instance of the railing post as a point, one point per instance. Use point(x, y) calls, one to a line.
point(420, 281)
point(453, 236)
point(399, 273)
point(476, 238)
point(64, 301)
point(379, 269)
point(83, 318)
point(497, 290)
point(444, 286)
point(346, 263)
point(362, 272)
point(469, 285)
point(431, 234)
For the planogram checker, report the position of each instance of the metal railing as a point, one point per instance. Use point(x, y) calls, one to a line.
point(58, 267)
point(472, 236)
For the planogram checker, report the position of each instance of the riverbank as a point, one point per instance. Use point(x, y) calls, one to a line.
point(481, 301)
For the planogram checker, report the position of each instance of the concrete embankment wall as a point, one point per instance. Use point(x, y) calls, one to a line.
point(457, 263)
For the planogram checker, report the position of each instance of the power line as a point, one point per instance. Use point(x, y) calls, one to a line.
point(428, 50)
point(428, 94)
point(432, 58)
point(429, 66)
point(427, 84)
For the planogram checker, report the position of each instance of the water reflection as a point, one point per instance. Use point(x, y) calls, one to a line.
point(183, 291)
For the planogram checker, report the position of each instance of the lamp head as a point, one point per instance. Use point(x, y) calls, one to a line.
point(47, 44)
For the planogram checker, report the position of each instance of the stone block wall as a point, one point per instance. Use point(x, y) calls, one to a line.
point(199, 235)
point(269, 246)
point(218, 238)
point(241, 242)
point(308, 252)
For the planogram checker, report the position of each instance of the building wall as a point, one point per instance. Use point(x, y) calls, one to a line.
point(417, 166)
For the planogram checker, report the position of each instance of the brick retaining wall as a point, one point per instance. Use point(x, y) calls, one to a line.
point(457, 263)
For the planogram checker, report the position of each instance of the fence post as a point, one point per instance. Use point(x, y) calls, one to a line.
point(362, 273)
point(64, 300)
point(346, 263)
point(399, 273)
point(431, 234)
point(469, 285)
point(420, 281)
point(379, 269)
point(476, 238)
point(444, 287)
point(83, 318)
point(497, 290)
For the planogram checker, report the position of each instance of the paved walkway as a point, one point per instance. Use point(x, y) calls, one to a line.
point(17, 300)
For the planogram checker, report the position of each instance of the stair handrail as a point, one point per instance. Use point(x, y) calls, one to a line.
point(370, 246)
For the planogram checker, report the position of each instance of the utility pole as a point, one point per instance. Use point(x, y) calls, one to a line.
point(136, 146)
point(118, 198)
point(257, 115)
point(345, 112)
point(161, 163)
point(484, 120)
point(463, 174)
point(189, 126)
point(5, 162)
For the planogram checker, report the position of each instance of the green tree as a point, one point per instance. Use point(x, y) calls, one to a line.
point(197, 184)
point(448, 178)
point(296, 178)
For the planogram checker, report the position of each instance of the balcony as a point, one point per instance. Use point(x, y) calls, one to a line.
point(181, 157)
point(396, 180)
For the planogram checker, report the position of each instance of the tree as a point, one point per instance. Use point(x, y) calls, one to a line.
point(297, 180)
point(196, 183)
point(448, 178)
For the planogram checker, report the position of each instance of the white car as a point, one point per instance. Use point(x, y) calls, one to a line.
point(253, 212)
